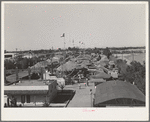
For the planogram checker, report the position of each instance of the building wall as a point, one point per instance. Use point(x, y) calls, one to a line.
point(9, 55)
point(39, 100)
point(34, 100)
point(52, 91)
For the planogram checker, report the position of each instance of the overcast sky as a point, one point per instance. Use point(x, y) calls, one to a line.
point(39, 26)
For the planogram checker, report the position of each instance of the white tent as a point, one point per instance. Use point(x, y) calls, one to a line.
point(61, 81)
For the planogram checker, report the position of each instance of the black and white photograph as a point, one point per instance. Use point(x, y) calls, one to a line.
point(68, 60)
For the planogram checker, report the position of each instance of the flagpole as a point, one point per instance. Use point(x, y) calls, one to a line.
point(64, 56)
point(64, 42)
point(73, 42)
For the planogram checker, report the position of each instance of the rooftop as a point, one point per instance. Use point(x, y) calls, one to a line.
point(29, 85)
point(117, 89)
point(21, 74)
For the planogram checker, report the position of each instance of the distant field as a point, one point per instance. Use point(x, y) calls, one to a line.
point(139, 57)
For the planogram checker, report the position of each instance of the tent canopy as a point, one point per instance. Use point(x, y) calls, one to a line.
point(68, 66)
point(97, 80)
point(101, 75)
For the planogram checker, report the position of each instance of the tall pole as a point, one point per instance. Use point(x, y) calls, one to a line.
point(64, 56)
point(64, 43)
point(73, 43)
point(91, 98)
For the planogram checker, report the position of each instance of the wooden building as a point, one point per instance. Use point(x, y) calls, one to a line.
point(31, 93)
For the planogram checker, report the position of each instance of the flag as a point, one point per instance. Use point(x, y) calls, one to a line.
point(63, 35)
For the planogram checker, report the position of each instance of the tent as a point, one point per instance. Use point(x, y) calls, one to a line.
point(111, 63)
point(104, 58)
point(97, 80)
point(102, 63)
point(102, 67)
point(55, 59)
point(61, 81)
point(101, 75)
point(112, 58)
point(68, 66)
point(37, 67)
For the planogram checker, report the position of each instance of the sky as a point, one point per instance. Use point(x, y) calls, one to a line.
point(40, 26)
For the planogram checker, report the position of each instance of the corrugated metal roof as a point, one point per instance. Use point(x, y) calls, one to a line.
point(117, 89)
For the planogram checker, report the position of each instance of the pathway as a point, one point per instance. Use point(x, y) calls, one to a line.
point(82, 97)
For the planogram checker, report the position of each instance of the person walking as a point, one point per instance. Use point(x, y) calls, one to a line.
point(79, 86)
point(79, 76)
point(87, 81)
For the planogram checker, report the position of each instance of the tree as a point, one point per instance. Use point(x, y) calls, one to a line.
point(61, 85)
point(59, 49)
point(107, 52)
point(69, 48)
point(136, 73)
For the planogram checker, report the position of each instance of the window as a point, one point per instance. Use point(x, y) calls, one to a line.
point(22, 98)
point(28, 98)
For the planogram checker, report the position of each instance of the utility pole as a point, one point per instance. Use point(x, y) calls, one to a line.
point(64, 50)
point(64, 41)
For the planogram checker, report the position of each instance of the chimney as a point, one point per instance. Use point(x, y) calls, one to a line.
point(133, 83)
